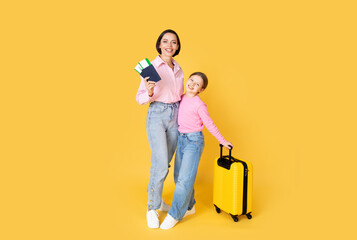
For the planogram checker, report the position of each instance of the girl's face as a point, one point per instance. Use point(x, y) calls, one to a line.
point(168, 45)
point(194, 85)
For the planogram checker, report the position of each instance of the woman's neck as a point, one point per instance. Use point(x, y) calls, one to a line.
point(167, 60)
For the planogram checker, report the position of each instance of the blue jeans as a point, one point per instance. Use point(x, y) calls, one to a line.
point(161, 128)
point(189, 150)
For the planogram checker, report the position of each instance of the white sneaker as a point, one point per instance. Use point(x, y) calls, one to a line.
point(152, 218)
point(168, 223)
point(164, 206)
point(189, 212)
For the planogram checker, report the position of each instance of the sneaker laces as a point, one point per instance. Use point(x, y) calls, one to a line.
point(151, 215)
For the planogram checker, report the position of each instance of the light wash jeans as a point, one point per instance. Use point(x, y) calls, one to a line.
point(162, 131)
point(189, 150)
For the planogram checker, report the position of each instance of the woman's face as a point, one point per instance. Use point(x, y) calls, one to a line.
point(168, 45)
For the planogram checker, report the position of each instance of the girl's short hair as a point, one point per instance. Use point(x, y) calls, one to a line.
point(160, 37)
point(204, 78)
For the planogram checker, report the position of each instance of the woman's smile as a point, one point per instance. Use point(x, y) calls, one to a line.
point(169, 44)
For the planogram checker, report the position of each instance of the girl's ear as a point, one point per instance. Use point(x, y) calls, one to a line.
point(202, 89)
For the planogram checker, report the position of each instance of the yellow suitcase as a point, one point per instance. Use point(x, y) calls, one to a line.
point(232, 186)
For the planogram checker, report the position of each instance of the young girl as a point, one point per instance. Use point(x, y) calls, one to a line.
point(191, 117)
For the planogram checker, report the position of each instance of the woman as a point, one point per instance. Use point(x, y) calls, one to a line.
point(161, 122)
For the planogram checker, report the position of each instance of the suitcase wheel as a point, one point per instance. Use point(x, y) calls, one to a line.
point(218, 210)
point(249, 216)
point(235, 217)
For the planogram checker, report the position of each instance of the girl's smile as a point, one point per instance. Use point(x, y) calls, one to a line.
point(194, 85)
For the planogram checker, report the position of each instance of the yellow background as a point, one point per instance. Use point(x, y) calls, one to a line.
point(74, 153)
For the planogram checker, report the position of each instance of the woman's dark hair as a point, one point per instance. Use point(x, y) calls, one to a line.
point(204, 78)
point(160, 37)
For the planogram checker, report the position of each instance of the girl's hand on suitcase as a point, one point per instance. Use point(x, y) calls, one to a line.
point(228, 145)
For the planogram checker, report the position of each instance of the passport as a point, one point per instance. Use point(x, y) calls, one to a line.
point(146, 69)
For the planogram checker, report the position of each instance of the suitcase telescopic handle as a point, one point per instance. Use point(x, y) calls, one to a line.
point(230, 152)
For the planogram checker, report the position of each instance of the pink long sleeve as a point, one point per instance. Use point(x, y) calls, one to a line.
point(142, 96)
point(193, 114)
point(208, 122)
